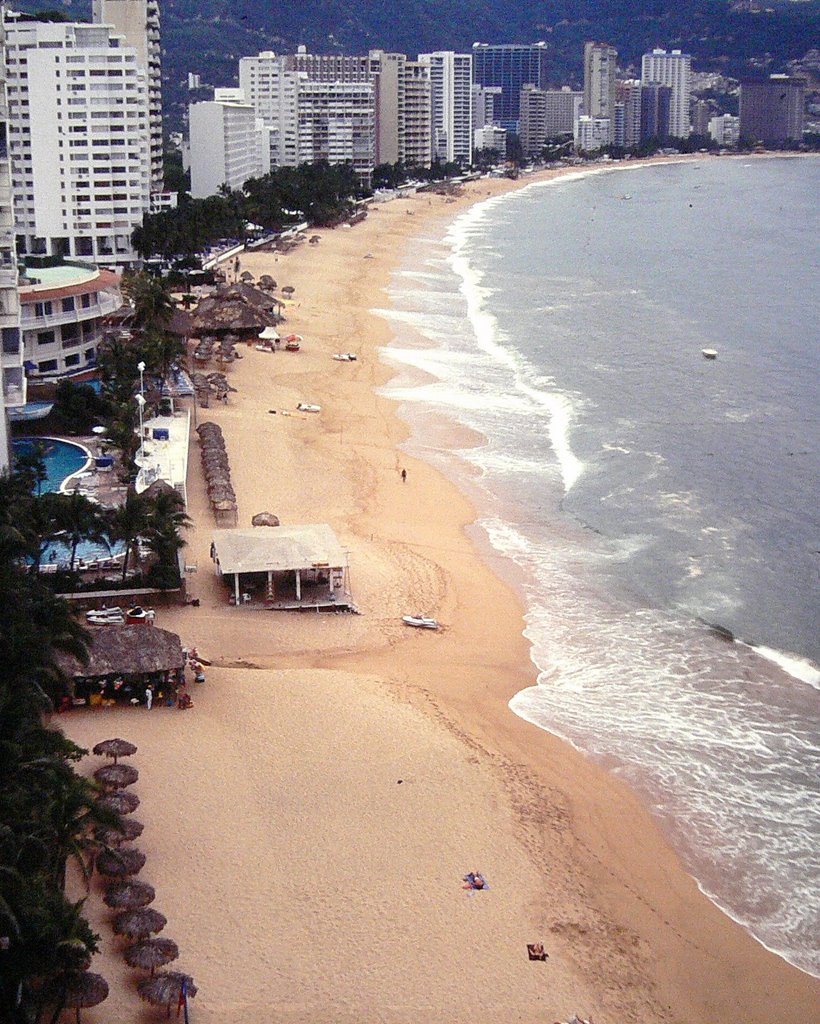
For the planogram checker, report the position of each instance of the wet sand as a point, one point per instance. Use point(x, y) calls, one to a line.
point(309, 820)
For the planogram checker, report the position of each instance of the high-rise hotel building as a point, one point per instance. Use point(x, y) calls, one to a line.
point(137, 22)
point(78, 140)
point(600, 60)
point(451, 104)
point(12, 375)
point(673, 70)
point(510, 66)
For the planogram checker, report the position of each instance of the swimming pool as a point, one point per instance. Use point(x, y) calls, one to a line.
point(62, 459)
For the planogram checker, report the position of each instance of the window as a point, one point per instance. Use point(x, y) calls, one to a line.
point(73, 360)
point(90, 354)
point(45, 337)
point(85, 301)
point(47, 366)
point(42, 308)
point(68, 305)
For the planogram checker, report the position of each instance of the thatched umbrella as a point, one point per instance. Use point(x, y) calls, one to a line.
point(116, 776)
point(139, 923)
point(315, 239)
point(267, 282)
point(77, 989)
point(127, 860)
point(130, 895)
point(165, 988)
point(122, 803)
point(128, 830)
point(151, 953)
point(246, 275)
point(115, 748)
point(265, 519)
point(288, 290)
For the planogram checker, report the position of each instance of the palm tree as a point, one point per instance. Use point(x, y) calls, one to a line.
point(79, 519)
point(128, 523)
point(151, 300)
point(166, 519)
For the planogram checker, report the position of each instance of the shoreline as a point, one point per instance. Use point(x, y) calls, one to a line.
point(458, 470)
point(572, 855)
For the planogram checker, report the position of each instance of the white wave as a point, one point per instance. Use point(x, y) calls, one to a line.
point(800, 668)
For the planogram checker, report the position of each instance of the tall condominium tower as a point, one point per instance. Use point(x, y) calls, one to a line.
point(229, 144)
point(486, 104)
point(546, 113)
point(600, 60)
point(137, 21)
point(451, 100)
point(674, 70)
point(510, 66)
point(13, 389)
point(629, 96)
point(772, 110)
point(656, 112)
point(78, 139)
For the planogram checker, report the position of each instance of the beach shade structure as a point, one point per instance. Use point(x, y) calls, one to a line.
point(126, 832)
point(246, 276)
point(122, 803)
point(115, 748)
point(166, 988)
point(265, 519)
point(151, 953)
point(314, 239)
point(267, 282)
point(139, 923)
point(116, 776)
point(129, 895)
point(127, 860)
point(76, 990)
point(288, 290)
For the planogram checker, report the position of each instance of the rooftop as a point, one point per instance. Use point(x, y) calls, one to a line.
point(278, 549)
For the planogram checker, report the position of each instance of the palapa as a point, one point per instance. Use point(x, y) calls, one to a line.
point(165, 988)
point(127, 831)
point(129, 895)
point(78, 989)
point(288, 290)
point(115, 748)
point(127, 860)
point(265, 519)
point(151, 953)
point(125, 650)
point(116, 776)
point(139, 923)
point(122, 803)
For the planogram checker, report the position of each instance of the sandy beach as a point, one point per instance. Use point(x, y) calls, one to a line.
point(309, 821)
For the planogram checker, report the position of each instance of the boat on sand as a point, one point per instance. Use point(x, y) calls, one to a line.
point(420, 621)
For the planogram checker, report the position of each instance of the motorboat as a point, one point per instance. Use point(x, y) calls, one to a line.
point(105, 617)
point(345, 357)
point(709, 353)
point(420, 621)
point(308, 407)
point(140, 616)
point(292, 346)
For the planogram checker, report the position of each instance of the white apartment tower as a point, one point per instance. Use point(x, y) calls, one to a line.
point(451, 103)
point(78, 140)
point(600, 60)
point(486, 105)
point(137, 21)
point(13, 389)
point(228, 145)
point(675, 71)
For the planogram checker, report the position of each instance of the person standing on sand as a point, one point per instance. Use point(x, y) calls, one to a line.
point(149, 697)
point(404, 476)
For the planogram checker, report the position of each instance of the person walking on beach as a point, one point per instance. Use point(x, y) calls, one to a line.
point(404, 476)
point(149, 697)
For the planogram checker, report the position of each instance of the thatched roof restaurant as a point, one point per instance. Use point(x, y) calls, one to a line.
point(123, 662)
point(291, 567)
point(126, 651)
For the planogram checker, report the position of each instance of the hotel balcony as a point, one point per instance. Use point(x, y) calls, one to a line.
point(14, 387)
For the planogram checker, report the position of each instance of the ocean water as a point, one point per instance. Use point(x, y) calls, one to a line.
point(639, 495)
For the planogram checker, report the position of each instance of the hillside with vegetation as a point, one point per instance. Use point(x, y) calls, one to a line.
point(209, 36)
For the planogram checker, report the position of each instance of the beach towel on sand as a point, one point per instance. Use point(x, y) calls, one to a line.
point(470, 882)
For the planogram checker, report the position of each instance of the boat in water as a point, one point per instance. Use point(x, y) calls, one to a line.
point(709, 353)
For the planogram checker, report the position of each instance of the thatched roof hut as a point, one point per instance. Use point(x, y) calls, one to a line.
point(78, 989)
point(116, 748)
point(116, 776)
point(126, 651)
point(151, 953)
point(265, 519)
point(164, 988)
point(231, 316)
point(139, 924)
point(127, 860)
point(180, 324)
point(127, 831)
point(122, 803)
point(129, 895)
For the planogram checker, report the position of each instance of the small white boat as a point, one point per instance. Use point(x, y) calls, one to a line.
point(420, 621)
point(345, 357)
point(105, 617)
point(307, 407)
point(709, 353)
